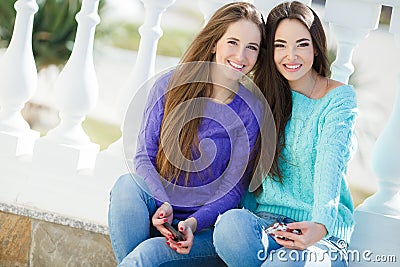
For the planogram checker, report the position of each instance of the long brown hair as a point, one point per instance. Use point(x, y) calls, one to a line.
point(278, 91)
point(187, 82)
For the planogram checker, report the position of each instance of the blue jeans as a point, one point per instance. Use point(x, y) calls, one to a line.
point(239, 240)
point(134, 239)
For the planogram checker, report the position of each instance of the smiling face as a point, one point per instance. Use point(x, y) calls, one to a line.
point(238, 48)
point(293, 51)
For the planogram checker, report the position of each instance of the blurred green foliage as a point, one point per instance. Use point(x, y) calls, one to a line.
point(54, 29)
point(126, 35)
point(7, 19)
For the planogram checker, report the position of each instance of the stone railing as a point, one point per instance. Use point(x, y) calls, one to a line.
point(64, 174)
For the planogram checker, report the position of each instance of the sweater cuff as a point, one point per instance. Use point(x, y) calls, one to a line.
point(325, 219)
point(201, 223)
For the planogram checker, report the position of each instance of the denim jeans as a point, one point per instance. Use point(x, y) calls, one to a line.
point(239, 240)
point(134, 239)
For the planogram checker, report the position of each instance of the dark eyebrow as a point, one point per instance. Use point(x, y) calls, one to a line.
point(302, 40)
point(237, 40)
point(298, 41)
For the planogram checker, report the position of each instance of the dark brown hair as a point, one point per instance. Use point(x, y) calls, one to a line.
point(183, 87)
point(278, 91)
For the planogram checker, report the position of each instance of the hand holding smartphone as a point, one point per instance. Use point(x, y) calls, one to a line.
point(177, 236)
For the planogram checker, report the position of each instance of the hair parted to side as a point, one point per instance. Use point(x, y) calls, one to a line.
point(278, 91)
point(187, 82)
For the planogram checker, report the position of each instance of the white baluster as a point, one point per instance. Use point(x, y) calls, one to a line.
point(382, 210)
point(385, 163)
point(18, 81)
point(349, 28)
point(385, 158)
point(76, 94)
point(150, 33)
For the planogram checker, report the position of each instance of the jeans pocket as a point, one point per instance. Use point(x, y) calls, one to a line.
point(287, 220)
point(267, 216)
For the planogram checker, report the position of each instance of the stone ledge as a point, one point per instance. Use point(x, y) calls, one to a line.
point(25, 241)
point(54, 218)
point(15, 240)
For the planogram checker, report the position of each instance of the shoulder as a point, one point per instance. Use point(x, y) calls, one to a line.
point(159, 85)
point(339, 88)
point(340, 104)
point(163, 78)
point(341, 93)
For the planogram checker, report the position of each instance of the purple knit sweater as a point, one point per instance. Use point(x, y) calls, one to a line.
point(227, 136)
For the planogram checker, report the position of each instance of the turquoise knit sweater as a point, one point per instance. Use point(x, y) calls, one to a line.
point(320, 141)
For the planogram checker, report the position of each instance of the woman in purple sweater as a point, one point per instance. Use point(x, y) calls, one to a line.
point(197, 146)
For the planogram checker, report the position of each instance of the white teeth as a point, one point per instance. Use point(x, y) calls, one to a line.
point(238, 66)
point(292, 66)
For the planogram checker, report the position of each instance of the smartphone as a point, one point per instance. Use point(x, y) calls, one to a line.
point(275, 226)
point(177, 235)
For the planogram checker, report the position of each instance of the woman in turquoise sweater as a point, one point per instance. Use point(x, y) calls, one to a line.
point(305, 189)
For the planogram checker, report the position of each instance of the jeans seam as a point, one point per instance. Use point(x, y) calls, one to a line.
point(114, 242)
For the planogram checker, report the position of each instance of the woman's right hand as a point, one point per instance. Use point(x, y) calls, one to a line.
point(163, 214)
point(187, 228)
point(311, 233)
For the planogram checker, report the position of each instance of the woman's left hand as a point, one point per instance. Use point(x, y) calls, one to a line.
point(187, 228)
point(311, 233)
point(165, 213)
